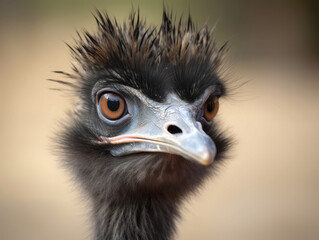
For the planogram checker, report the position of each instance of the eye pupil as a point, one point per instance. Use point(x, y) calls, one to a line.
point(210, 106)
point(113, 103)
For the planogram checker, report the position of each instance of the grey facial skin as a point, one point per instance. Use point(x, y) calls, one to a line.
point(170, 127)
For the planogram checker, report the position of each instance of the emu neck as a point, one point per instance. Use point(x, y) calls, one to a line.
point(139, 218)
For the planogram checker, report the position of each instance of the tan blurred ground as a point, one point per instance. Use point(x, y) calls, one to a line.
point(269, 190)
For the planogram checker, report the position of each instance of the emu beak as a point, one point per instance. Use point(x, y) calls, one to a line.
point(180, 135)
point(195, 146)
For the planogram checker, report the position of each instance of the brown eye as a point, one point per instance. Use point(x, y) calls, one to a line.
point(211, 108)
point(112, 106)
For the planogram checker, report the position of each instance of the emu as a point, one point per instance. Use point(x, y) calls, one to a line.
point(143, 136)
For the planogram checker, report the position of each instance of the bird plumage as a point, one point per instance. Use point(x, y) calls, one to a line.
point(136, 195)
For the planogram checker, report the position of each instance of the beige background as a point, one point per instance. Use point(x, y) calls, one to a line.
point(268, 190)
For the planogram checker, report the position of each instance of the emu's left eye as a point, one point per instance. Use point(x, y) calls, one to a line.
point(112, 105)
point(211, 108)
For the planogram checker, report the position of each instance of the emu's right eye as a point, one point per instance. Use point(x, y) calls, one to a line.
point(112, 105)
point(211, 108)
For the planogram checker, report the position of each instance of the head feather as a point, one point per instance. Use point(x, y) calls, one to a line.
point(134, 40)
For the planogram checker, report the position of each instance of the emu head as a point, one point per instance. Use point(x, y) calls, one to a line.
point(147, 100)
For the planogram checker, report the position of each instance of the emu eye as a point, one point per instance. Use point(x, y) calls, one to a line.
point(112, 106)
point(211, 108)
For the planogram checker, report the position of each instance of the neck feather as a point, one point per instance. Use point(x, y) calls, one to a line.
point(143, 217)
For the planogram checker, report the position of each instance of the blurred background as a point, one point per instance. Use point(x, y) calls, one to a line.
point(268, 189)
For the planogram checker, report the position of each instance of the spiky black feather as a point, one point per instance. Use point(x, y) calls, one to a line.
point(177, 57)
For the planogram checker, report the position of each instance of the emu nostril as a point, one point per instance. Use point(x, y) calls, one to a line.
point(174, 129)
